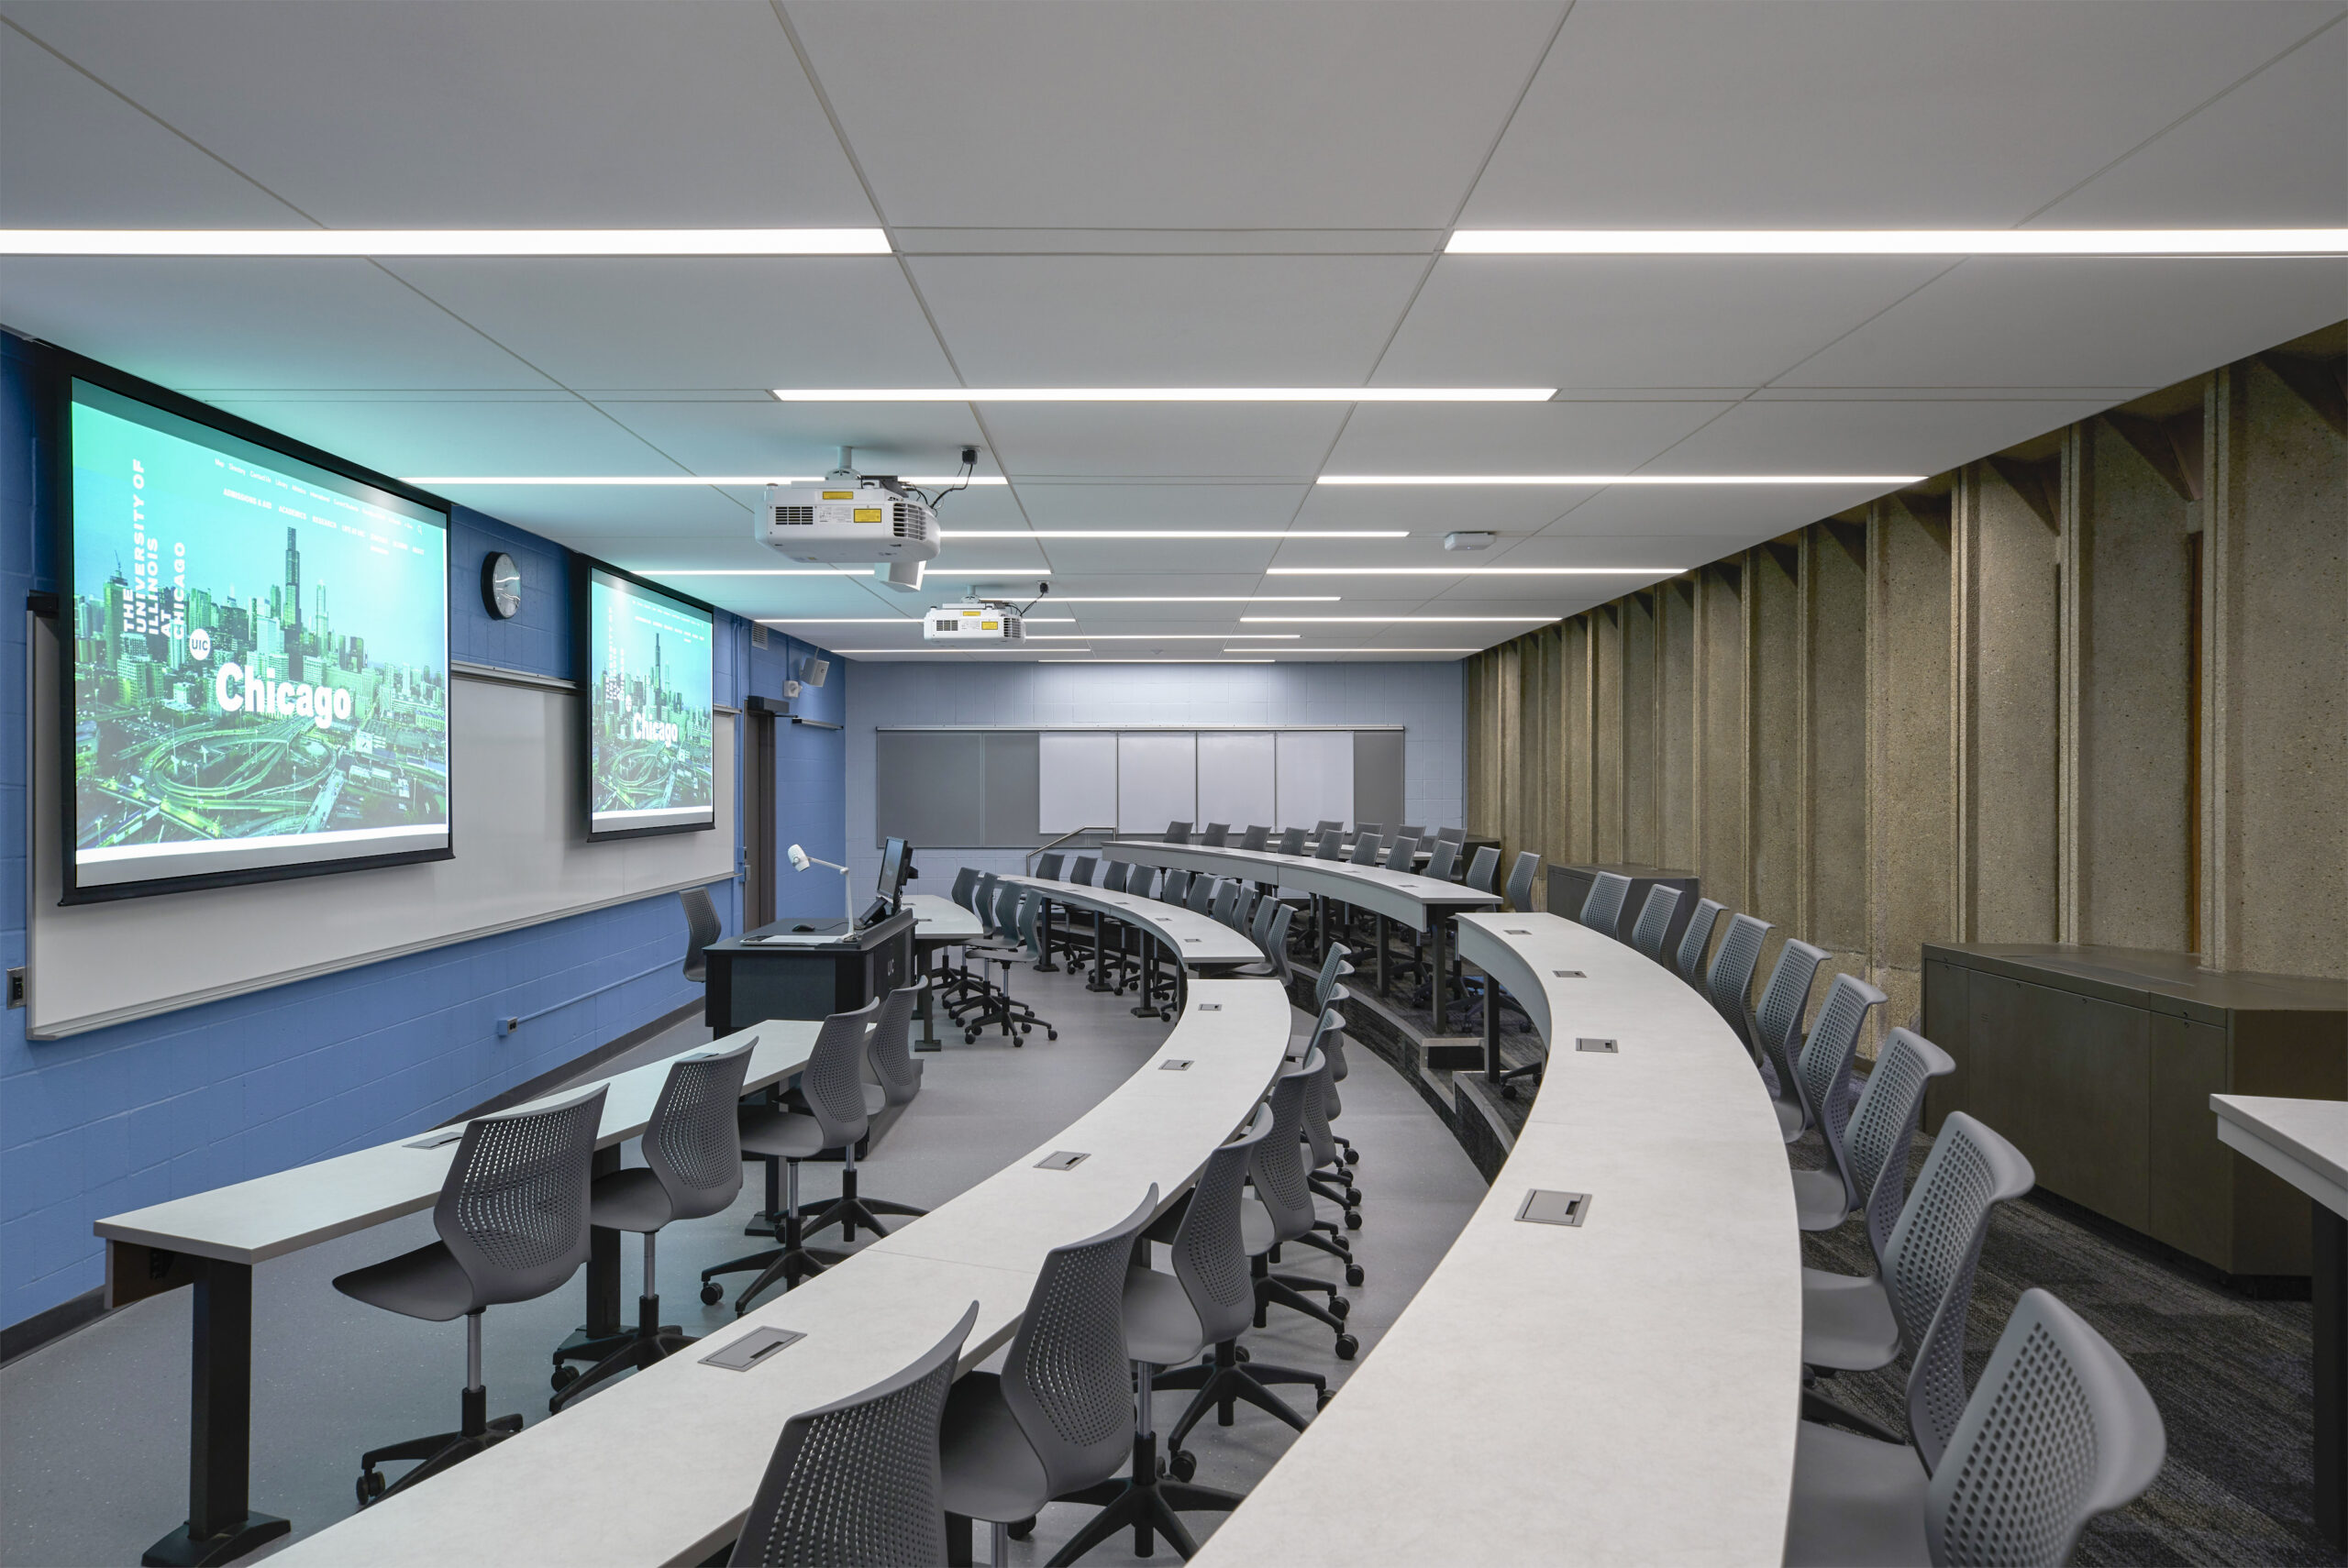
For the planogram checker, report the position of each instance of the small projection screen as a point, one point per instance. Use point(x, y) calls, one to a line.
point(256, 634)
point(649, 682)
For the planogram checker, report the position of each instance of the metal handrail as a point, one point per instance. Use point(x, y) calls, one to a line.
point(1047, 849)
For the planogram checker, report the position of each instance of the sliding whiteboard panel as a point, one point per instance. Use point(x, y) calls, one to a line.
point(1316, 777)
point(1158, 779)
point(1076, 783)
point(1236, 777)
point(522, 857)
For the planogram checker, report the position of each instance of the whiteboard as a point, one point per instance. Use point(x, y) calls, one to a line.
point(1158, 778)
point(522, 857)
point(1316, 777)
point(1236, 777)
point(1076, 780)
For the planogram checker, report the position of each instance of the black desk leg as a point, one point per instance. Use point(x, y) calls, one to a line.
point(1100, 952)
point(1147, 1007)
point(1441, 1001)
point(221, 1525)
point(1378, 933)
point(929, 1041)
point(2330, 1375)
point(1491, 1033)
point(602, 1274)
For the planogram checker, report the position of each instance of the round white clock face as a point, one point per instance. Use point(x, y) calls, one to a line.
point(500, 586)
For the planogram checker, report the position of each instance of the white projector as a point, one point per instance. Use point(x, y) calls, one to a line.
point(868, 521)
point(972, 622)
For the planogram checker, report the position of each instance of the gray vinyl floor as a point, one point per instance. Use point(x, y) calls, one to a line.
point(93, 1426)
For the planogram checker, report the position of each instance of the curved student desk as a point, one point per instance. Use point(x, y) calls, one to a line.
point(661, 1467)
point(1622, 1391)
point(1201, 942)
point(1421, 903)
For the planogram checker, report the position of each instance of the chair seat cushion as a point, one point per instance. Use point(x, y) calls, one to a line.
point(1161, 1326)
point(630, 1199)
point(1820, 1202)
point(779, 1135)
point(1846, 1322)
point(1857, 1502)
point(990, 1471)
point(426, 1282)
point(1790, 1119)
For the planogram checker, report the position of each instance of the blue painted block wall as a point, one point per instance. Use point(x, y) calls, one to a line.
point(116, 1118)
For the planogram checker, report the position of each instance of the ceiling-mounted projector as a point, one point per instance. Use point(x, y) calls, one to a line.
point(973, 622)
point(852, 517)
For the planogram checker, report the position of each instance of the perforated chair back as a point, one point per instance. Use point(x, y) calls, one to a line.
point(1689, 960)
point(1202, 898)
point(2060, 1431)
point(833, 1081)
point(1274, 942)
point(1777, 1021)
point(1030, 919)
point(1328, 825)
point(1320, 1089)
point(1401, 853)
point(859, 1481)
point(1875, 1143)
point(1008, 897)
point(1085, 866)
point(1655, 920)
point(1731, 976)
point(1452, 835)
point(1176, 884)
point(1335, 966)
point(1216, 835)
point(702, 928)
point(1823, 1071)
point(1520, 880)
point(1259, 925)
point(692, 1142)
point(966, 882)
point(513, 1209)
point(1369, 830)
point(1929, 1266)
point(1255, 838)
point(1048, 866)
point(1482, 868)
point(1178, 833)
point(1210, 1248)
point(1138, 879)
point(1601, 911)
point(1113, 877)
point(1277, 1172)
point(1329, 1034)
point(1407, 830)
point(1443, 858)
point(1330, 846)
point(1365, 848)
point(1066, 1378)
point(1291, 841)
point(1226, 900)
point(890, 1047)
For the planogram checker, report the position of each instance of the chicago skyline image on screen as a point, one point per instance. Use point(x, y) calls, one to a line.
point(259, 654)
point(652, 760)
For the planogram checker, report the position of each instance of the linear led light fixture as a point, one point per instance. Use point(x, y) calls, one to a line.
point(947, 653)
point(733, 479)
point(1394, 620)
point(960, 534)
point(2180, 242)
point(1155, 637)
point(1473, 571)
point(1198, 598)
point(886, 620)
point(828, 571)
point(1289, 651)
point(443, 242)
point(1158, 660)
point(1165, 395)
point(1594, 480)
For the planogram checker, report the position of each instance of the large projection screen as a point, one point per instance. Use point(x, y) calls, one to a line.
point(258, 640)
point(650, 681)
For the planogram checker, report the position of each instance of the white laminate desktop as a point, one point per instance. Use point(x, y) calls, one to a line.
point(1417, 901)
point(2305, 1141)
point(940, 919)
point(659, 1467)
point(1623, 1391)
point(1201, 941)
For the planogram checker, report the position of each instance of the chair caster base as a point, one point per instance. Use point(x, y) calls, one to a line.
point(1347, 1347)
point(1353, 1275)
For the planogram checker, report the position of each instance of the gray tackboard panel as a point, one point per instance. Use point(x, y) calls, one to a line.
point(522, 857)
point(1012, 779)
point(955, 789)
point(1377, 777)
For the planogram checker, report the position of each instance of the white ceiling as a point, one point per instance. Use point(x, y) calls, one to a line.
point(1168, 194)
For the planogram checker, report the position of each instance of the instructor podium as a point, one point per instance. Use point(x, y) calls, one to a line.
point(805, 968)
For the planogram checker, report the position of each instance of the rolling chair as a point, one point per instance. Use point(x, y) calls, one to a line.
point(1402, 853)
point(702, 928)
point(888, 1049)
point(692, 1167)
point(1291, 841)
point(1519, 881)
point(1872, 1175)
point(1326, 1171)
point(1330, 845)
point(1775, 1031)
point(1226, 900)
point(1454, 835)
point(1018, 923)
point(1174, 888)
point(1048, 866)
point(1443, 859)
point(1689, 960)
point(1279, 1210)
point(1269, 933)
point(1369, 830)
point(1058, 1418)
point(1654, 924)
point(2059, 1430)
point(1413, 833)
point(512, 1221)
point(1731, 976)
point(1366, 845)
point(858, 1481)
point(1178, 833)
point(831, 1085)
point(1256, 838)
point(1202, 896)
point(1601, 911)
point(1482, 867)
point(1215, 835)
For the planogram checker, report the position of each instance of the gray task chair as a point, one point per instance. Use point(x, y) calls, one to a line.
point(1443, 859)
point(1481, 868)
point(1365, 842)
point(692, 1167)
point(1602, 910)
point(1216, 835)
point(1402, 853)
point(1689, 960)
point(1520, 880)
point(1291, 841)
point(1873, 1173)
point(1730, 978)
point(1823, 1071)
point(1202, 893)
point(2059, 1430)
point(1654, 924)
point(1256, 838)
point(1280, 1211)
point(512, 1221)
point(1331, 845)
point(1918, 1305)
point(831, 1085)
point(1178, 833)
point(888, 1051)
point(1058, 1418)
point(702, 928)
point(1773, 1031)
point(858, 1481)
